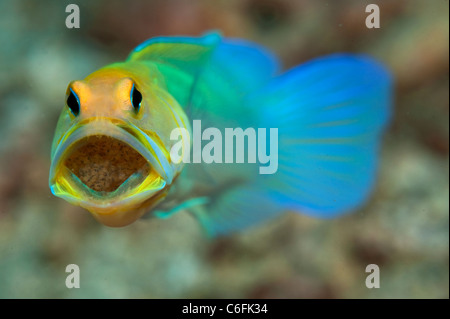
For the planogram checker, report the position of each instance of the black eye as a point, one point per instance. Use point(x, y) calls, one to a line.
point(73, 103)
point(136, 98)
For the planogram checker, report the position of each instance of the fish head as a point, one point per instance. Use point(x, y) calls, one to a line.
point(111, 150)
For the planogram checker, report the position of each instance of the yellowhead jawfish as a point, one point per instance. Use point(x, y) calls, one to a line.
point(111, 152)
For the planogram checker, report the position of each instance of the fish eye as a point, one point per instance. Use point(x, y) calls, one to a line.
point(73, 103)
point(136, 98)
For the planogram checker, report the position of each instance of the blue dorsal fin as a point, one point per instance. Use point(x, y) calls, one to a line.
point(208, 74)
point(186, 53)
point(179, 59)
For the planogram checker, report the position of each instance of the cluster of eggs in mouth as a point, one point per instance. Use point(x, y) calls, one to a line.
point(103, 163)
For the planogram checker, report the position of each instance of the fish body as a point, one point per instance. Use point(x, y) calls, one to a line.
point(111, 152)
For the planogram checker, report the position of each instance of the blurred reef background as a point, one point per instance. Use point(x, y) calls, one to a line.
point(404, 228)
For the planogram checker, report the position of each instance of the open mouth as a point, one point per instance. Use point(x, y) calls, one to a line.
point(103, 163)
point(100, 164)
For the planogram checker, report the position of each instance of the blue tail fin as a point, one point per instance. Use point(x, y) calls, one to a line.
point(330, 114)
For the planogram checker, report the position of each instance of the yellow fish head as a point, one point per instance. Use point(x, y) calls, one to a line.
point(111, 150)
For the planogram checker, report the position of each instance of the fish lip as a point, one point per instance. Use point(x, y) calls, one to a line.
point(122, 131)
